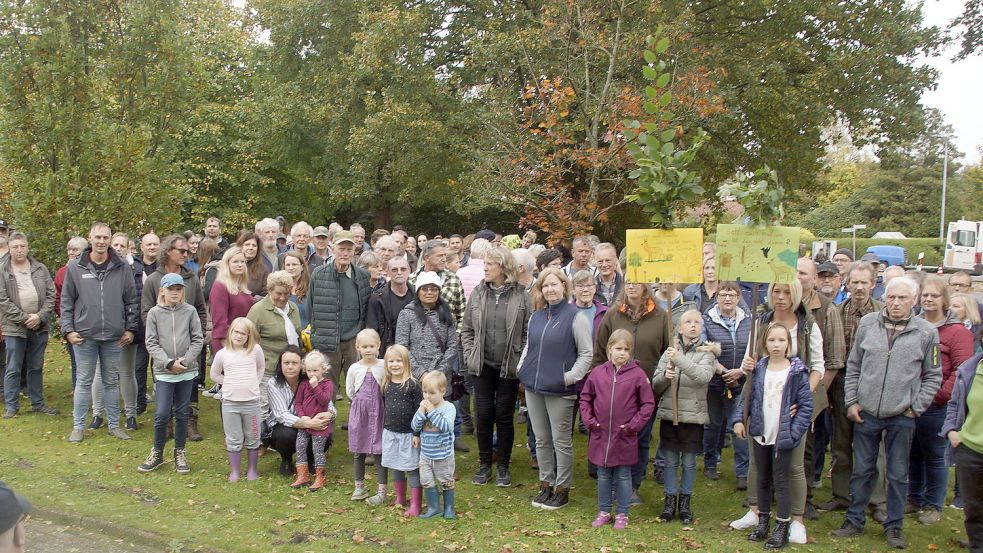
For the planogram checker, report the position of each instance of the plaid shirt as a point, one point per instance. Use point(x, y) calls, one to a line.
point(452, 292)
point(851, 315)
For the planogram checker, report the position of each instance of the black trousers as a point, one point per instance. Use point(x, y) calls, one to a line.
point(494, 405)
point(969, 471)
point(773, 471)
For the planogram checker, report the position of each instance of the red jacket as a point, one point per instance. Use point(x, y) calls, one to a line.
point(609, 400)
point(955, 345)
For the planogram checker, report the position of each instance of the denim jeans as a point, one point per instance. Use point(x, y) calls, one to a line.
point(618, 480)
point(721, 409)
point(127, 385)
point(896, 432)
point(141, 360)
point(87, 354)
point(71, 357)
point(671, 472)
point(644, 440)
point(176, 395)
point(27, 353)
point(773, 476)
point(928, 473)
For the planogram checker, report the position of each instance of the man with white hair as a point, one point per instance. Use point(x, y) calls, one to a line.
point(300, 235)
point(609, 279)
point(474, 273)
point(267, 229)
point(892, 375)
point(526, 263)
point(385, 248)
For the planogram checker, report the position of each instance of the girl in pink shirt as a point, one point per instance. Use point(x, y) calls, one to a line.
point(238, 367)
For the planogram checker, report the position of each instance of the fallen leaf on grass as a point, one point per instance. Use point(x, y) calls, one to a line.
point(932, 547)
point(338, 510)
point(280, 522)
point(358, 539)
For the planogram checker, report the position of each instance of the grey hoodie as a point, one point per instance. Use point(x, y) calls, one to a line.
point(99, 305)
point(174, 332)
point(888, 379)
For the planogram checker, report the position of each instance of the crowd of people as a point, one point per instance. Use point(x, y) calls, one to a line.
point(439, 337)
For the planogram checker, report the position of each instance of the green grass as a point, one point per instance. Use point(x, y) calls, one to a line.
point(98, 478)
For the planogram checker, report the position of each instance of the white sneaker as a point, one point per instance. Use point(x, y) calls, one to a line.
point(749, 520)
point(797, 533)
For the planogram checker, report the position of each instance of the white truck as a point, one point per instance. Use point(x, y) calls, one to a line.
point(964, 246)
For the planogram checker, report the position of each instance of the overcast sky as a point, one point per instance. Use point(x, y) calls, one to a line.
point(960, 85)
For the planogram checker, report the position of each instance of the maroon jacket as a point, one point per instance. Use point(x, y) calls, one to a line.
point(611, 399)
point(955, 345)
point(311, 401)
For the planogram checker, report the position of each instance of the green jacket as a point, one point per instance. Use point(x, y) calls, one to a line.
point(694, 372)
point(272, 332)
point(324, 305)
point(12, 317)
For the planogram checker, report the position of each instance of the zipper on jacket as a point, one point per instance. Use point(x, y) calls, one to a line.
point(174, 333)
point(880, 399)
point(539, 355)
point(614, 385)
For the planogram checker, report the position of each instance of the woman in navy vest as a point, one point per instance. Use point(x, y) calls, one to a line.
point(557, 356)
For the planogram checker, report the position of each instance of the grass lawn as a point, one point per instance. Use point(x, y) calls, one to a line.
point(202, 510)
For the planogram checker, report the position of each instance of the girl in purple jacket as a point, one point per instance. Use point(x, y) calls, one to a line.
point(777, 411)
point(615, 404)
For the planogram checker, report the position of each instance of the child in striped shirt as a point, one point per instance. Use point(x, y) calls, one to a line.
point(435, 423)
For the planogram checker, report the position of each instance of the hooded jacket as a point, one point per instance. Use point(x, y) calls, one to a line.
point(956, 410)
point(694, 371)
point(956, 346)
point(192, 294)
point(99, 305)
point(11, 314)
point(796, 392)
point(651, 333)
point(174, 332)
point(888, 378)
point(612, 398)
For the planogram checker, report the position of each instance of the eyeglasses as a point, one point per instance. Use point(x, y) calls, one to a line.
point(726, 296)
point(182, 251)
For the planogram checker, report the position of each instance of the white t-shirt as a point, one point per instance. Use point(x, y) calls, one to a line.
point(771, 405)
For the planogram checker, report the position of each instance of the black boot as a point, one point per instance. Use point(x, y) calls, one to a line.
point(779, 537)
point(685, 515)
point(668, 509)
point(761, 532)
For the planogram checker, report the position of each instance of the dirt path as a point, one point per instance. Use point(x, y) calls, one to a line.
point(44, 536)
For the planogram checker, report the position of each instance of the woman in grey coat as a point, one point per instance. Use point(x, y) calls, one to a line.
point(428, 329)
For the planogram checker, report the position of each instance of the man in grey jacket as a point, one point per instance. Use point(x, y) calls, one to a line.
point(99, 311)
point(892, 375)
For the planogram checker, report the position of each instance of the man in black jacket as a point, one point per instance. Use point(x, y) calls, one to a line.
point(385, 305)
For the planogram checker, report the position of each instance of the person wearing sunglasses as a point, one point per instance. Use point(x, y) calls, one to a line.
point(173, 258)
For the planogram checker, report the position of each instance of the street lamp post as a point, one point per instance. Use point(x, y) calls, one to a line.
point(853, 230)
point(945, 173)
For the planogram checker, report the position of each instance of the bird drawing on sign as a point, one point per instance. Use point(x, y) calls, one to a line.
point(765, 251)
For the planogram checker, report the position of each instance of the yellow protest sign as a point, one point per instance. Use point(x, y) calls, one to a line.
point(757, 254)
point(665, 255)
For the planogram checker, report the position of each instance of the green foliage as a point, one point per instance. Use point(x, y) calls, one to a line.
point(663, 178)
point(760, 194)
point(970, 22)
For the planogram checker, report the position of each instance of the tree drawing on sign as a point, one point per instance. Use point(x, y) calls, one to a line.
point(635, 261)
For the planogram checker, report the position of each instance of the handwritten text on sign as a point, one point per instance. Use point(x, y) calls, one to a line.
point(757, 254)
point(665, 255)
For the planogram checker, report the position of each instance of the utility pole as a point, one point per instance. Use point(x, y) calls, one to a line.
point(945, 174)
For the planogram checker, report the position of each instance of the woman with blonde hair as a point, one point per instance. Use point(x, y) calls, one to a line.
point(230, 297)
point(558, 329)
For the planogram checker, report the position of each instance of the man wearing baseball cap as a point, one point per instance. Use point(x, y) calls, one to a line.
point(829, 279)
point(337, 301)
point(13, 510)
